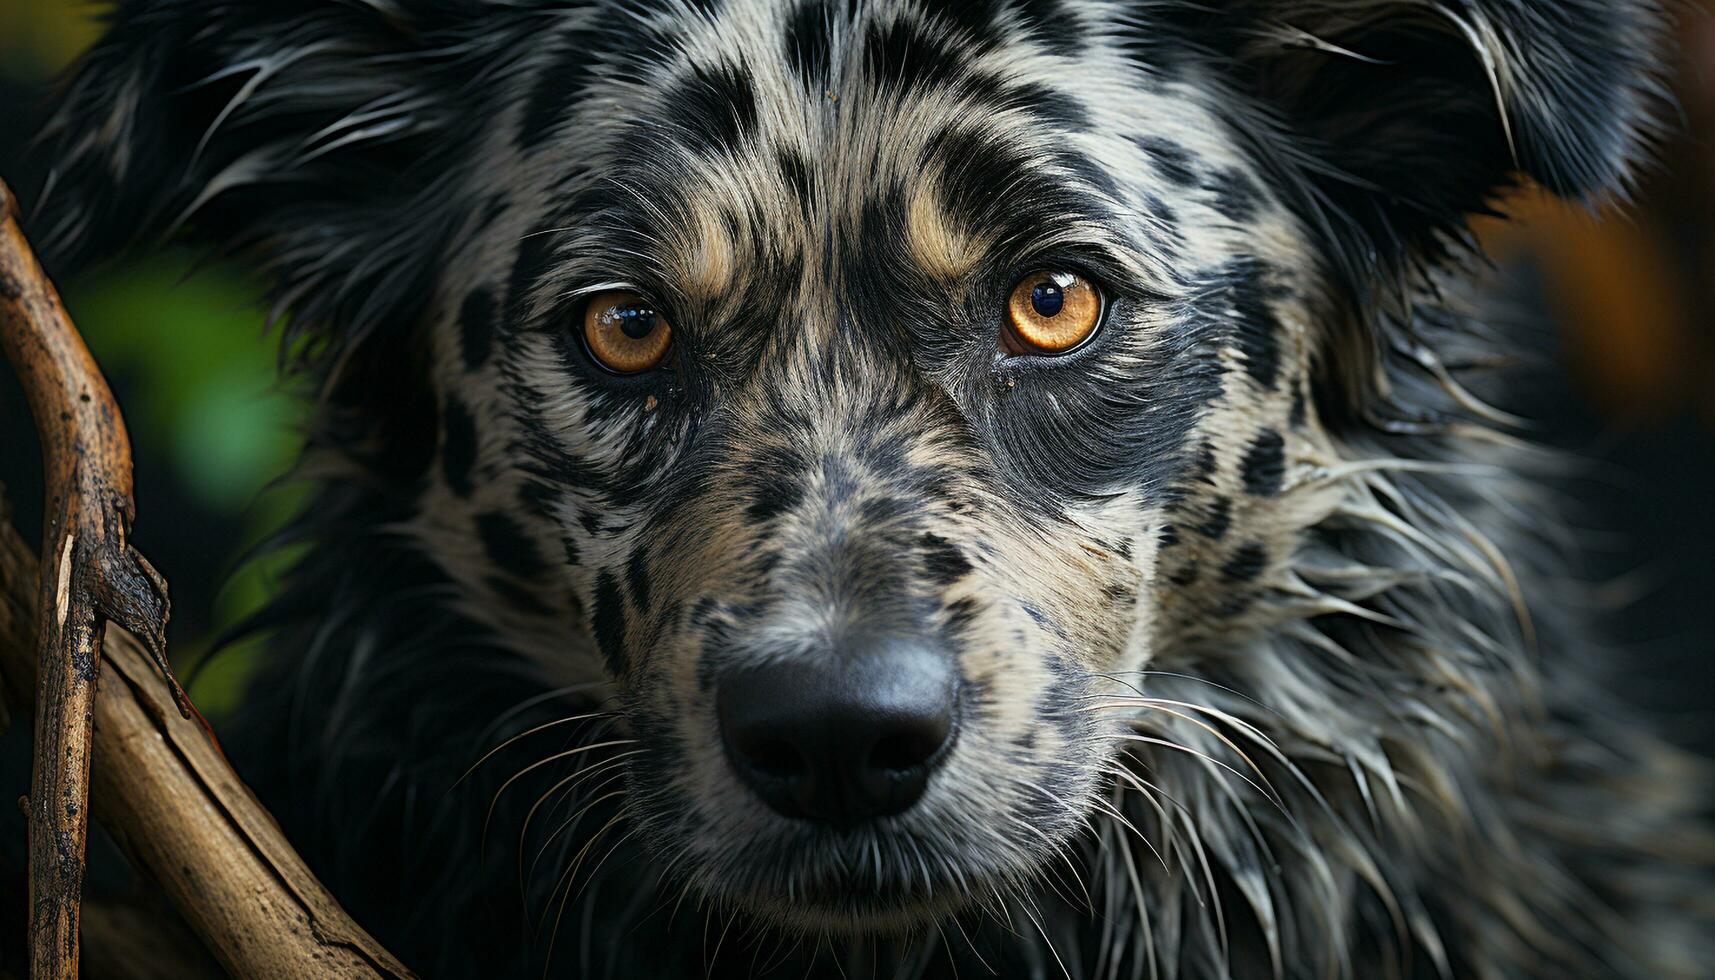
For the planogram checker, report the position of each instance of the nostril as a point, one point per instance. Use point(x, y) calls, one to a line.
point(905, 750)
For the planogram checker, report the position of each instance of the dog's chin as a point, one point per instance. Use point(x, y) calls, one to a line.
point(896, 875)
point(832, 911)
point(857, 891)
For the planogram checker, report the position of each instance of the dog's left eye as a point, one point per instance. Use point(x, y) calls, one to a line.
point(1051, 312)
point(624, 333)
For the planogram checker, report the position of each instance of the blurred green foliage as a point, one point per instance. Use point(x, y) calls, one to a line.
point(198, 384)
point(39, 37)
point(194, 347)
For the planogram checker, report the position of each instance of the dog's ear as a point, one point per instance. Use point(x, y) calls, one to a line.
point(321, 137)
point(1386, 123)
point(1401, 117)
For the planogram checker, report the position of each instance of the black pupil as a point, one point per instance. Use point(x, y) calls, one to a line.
point(636, 322)
point(1047, 299)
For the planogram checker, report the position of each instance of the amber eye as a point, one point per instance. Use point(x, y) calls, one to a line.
point(1052, 312)
point(624, 333)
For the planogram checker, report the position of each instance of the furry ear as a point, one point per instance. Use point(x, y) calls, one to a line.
point(325, 138)
point(1386, 123)
point(1404, 116)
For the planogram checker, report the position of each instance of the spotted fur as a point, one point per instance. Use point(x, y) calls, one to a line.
point(1267, 664)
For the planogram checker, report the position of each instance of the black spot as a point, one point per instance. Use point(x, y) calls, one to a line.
point(943, 561)
point(637, 577)
point(608, 623)
point(961, 613)
point(517, 596)
point(1219, 520)
point(1063, 671)
point(808, 42)
point(715, 108)
point(1172, 161)
point(554, 90)
point(1172, 37)
point(879, 511)
point(534, 253)
point(900, 56)
point(1169, 536)
point(591, 522)
point(1187, 575)
point(458, 446)
point(795, 170)
point(705, 612)
point(1092, 174)
point(1265, 464)
point(969, 160)
point(1203, 464)
point(765, 563)
point(1299, 407)
point(773, 494)
point(539, 498)
point(1235, 195)
point(476, 327)
point(508, 546)
point(1256, 329)
point(1166, 220)
point(976, 22)
point(1050, 105)
point(574, 554)
point(1246, 564)
point(557, 469)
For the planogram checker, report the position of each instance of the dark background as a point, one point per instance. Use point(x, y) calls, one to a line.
point(1628, 385)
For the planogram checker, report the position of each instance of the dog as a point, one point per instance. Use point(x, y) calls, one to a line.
point(917, 487)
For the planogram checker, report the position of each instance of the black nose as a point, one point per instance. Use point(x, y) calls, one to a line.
point(843, 736)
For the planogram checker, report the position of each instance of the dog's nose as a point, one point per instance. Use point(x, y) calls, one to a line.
point(845, 736)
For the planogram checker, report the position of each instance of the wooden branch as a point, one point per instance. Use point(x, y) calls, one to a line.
point(93, 577)
point(168, 796)
point(162, 788)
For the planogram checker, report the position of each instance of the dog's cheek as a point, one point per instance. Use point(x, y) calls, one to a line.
point(1063, 623)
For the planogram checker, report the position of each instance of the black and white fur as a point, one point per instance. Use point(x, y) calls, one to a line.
point(1266, 663)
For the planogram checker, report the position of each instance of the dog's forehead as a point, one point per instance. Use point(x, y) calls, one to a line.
point(749, 139)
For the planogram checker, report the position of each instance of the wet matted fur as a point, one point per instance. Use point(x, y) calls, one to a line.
point(1267, 667)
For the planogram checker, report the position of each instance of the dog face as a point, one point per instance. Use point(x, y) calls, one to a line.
point(859, 380)
point(864, 393)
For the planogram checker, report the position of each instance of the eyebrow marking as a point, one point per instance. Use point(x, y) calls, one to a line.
point(939, 247)
point(710, 258)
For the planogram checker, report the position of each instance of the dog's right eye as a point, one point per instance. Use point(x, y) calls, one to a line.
point(624, 333)
point(1051, 312)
